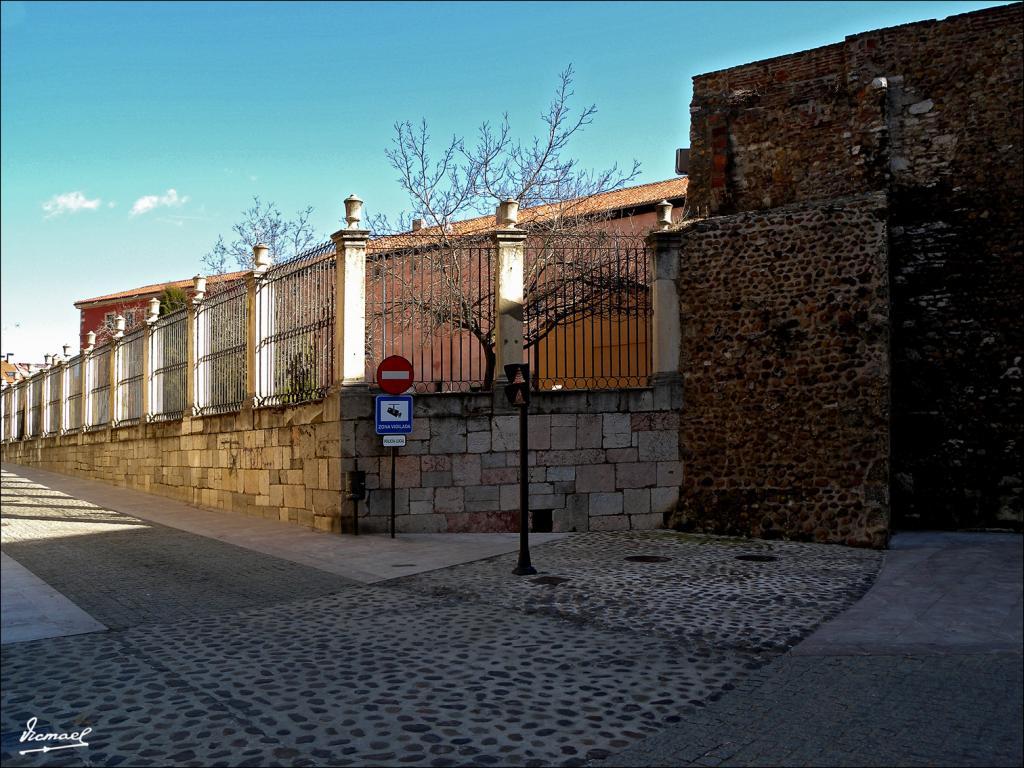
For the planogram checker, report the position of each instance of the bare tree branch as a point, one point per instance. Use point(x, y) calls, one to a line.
point(262, 223)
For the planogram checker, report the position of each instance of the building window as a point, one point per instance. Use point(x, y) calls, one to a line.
point(110, 320)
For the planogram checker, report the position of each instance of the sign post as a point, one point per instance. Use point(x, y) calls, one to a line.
point(518, 393)
point(393, 411)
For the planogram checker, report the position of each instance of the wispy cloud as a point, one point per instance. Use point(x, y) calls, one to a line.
point(147, 203)
point(69, 202)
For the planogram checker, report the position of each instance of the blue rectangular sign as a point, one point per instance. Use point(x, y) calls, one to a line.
point(394, 414)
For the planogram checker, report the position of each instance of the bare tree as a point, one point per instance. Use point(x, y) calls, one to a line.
point(465, 179)
point(261, 223)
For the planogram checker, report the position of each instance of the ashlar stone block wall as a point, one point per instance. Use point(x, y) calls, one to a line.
point(599, 460)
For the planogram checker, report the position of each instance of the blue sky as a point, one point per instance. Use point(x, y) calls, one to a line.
point(134, 133)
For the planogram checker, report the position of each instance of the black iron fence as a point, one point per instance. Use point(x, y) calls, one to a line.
point(295, 328)
point(169, 359)
point(431, 300)
point(587, 310)
point(19, 412)
point(73, 397)
point(98, 379)
point(428, 297)
point(51, 417)
point(7, 402)
point(129, 373)
point(220, 351)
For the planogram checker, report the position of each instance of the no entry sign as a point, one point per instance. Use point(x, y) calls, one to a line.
point(394, 375)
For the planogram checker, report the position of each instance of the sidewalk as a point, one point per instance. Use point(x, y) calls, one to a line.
point(366, 559)
point(926, 669)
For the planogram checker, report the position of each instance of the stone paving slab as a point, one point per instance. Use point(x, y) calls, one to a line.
point(123, 570)
point(30, 609)
point(937, 593)
point(366, 559)
point(954, 710)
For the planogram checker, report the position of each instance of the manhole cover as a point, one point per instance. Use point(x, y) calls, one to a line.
point(552, 580)
point(647, 559)
point(757, 558)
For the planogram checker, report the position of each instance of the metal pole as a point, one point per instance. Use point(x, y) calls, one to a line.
point(524, 567)
point(394, 454)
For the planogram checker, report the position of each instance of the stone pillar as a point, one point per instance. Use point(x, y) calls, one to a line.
point(193, 348)
point(350, 298)
point(147, 361)
point(663, 247)
point(260, 260)
point(508, 289)
point(262, 324)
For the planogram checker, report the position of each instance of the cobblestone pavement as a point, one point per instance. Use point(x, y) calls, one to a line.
point(699, 590)
point(467, 666)
point(963, 710)
point(125, 571)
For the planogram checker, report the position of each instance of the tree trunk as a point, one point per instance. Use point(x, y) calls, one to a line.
point(489, 363)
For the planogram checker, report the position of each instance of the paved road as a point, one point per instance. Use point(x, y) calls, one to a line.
point(472, 667)
point(593, 662)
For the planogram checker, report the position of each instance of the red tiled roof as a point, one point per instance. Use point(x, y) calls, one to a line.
point(617, 200)
point(156, 289)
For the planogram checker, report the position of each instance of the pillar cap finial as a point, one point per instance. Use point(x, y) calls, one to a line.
point(353, 211)
point(260, 257)
point(507, 214)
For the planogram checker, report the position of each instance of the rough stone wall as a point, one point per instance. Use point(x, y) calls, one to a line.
point(785, 371)
point(956, 119)
point(603, 460)
point(931, 114)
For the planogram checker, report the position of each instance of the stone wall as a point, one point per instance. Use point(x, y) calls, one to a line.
point(786, 373)
point(930, 114)
point(599, 460)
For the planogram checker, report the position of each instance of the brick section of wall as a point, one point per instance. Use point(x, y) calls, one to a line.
point(785, 365)
point(598, 461)
point(942, 137)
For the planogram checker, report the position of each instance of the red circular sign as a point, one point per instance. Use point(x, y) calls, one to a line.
point(394, 375)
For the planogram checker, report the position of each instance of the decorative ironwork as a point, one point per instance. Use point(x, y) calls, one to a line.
point(295, 328)
point(73, 395)
point(220, 351)
point(34, 427)
point(99, 386)
point(128, 371)
point(19, 411)
point(431, 301)
point(169, 356)
point(587, 310)
point(51, 418)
